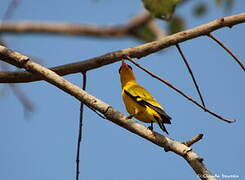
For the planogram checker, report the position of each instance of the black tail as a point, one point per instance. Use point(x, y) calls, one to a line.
point(165, 118)
point(161, 124)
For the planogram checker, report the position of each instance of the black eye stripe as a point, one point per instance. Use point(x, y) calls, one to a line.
point(130, 67)
point(119, 70)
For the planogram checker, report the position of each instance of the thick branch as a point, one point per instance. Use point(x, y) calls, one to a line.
point(135, 52)
point(110, 113)
point(74, 29)
point(17, 91)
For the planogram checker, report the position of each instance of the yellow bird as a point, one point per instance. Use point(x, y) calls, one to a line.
point(139, 102)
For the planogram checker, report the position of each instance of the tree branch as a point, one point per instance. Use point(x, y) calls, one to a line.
point(191, 73)
point(227, 50)
point(134, 52)
point(193, 140)
point(110, 113)
point(180, 92)
point(80, 131)
point(17, 91)
point(74, 29)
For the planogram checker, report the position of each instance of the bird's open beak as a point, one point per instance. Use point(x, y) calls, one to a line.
point(124, 66)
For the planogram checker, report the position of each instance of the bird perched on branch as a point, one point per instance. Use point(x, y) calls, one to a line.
point(139, 102)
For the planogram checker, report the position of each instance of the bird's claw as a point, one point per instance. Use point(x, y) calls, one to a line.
point(150, 128)
point(130, 116)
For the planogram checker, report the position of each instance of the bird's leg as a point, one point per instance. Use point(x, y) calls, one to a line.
point(151, 126)
point(136, 112)
point(130, 116)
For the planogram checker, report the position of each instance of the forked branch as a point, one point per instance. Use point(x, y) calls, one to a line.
point(191, 73)
point(193, 140)
point(179, 91)
point(110, 113)
point(134, 52)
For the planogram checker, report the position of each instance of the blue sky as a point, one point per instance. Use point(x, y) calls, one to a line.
point(43, 146)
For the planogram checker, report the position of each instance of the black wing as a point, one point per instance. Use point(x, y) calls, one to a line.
point(166, 118)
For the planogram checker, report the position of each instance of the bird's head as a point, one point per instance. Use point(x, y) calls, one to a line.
point(126, 73)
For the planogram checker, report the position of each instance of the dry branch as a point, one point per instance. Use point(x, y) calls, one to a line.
point(227, 50)
point(74, 29)
point(134, 52)
point(193, 140)
point(180, 92)
point(110, 113)
point(191, 73)
point(17, 91)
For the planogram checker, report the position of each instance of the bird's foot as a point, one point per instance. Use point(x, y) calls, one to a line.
point(150, 128)
point(130, 116)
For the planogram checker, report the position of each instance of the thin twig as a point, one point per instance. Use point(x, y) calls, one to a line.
point(227, 50)
point(27, 104)
point(179, 91)
point(193, 140)
point(23, 98)
point(79, 140)
point(191, 73)
point(9, 12)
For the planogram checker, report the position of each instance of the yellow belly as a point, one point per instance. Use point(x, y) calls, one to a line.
point(144, 114)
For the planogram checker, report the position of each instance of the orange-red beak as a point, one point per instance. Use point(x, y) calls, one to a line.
point(124, 65)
